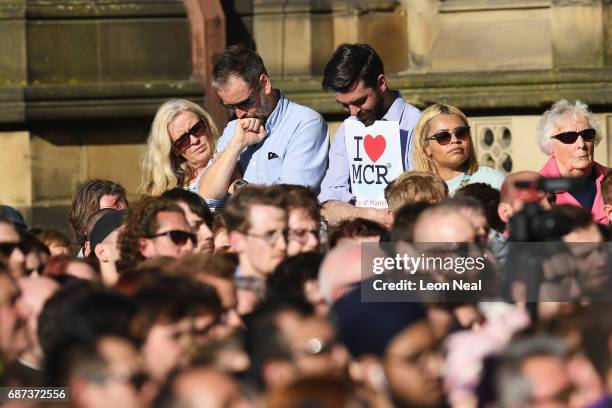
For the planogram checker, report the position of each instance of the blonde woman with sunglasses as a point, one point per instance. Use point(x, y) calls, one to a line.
point(179, 147)
point(443, 146)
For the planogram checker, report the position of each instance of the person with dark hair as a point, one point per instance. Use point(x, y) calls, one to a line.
point(174, 314)
point(474, 212)
point(91, 196)
point(36, 254)
point(404, 221)
point(198, 215)
point(293, 149)
point(286, 341)
point(304, 219)
point(56, 241)
point(489, 198)
point(154, 227)
point(359, 229)
point(355, 73)
point(102, 240)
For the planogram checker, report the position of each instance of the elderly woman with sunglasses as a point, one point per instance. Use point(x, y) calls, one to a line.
point(568, 132)
point(443, 146)
point(179, 148)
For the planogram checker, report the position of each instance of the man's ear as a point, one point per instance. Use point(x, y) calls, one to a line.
point(86, 249)
point(145, 246)
point(608, 211)
point(381, 83)
point(100, 251)
point(266, 84)
point(237, 242)
point(504, 210)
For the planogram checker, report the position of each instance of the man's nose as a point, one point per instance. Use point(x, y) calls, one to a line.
point(354, 110)
point(240, 113)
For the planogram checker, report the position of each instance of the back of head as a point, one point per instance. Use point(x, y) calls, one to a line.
point(414, 186)
point(300, 197)
point(509, 192)
point(356, 229)
point(488, 197)
point(288, 279)
point(238, 61)
point(405, 219)
point(194, 201)
point(86, 201)
point(442, 223)
point(350, 64)
point(237, 209)
point(321, 392)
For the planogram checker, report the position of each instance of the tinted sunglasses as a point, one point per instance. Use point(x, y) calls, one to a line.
point(444, 137)
point(178, 237)
point(248, 103)
point(571, 137)
point(7, 248)
point(196, 130)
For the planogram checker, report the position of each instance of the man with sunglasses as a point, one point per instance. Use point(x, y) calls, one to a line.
point(568, 133)
point(355, 74)
point(154, 227)
point(11, 252)
point(294, 147)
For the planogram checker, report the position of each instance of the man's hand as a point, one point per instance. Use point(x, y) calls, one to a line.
point(248, 131)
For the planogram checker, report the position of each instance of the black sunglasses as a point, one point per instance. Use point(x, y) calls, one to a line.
point(178, 237)
point(196, 130)
point(571, 137)
point(7, 248)
point(444, 136)
point(244, 105)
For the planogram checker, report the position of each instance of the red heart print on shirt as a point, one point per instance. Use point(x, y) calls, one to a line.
point(374, 146)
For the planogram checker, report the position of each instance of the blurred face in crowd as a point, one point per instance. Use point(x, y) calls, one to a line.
point(413, 367)
point(34, 293)
point(246, 101)
point(263, 246)
point(227, 293)
point(10, 252)
point(364, 102)
point(200, 148)
point(13, 336)
point(478, 221)
point(120, 384)
point(108, 250)
point(454, 154)
point(573, 159)
point(204, 387)
point(204, 234)
point(167, 245)
point(447, 227)
point(312, 342)
point(516, 197)
point(549, 380)
point(166, 347)
point(303, 232)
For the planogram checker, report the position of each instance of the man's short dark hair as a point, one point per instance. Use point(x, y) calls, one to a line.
point(236, 210)
point(194, 201)
point(300, 197)
point(86, 201)
point(352, 63)
point(238, 60)
point(355, 228)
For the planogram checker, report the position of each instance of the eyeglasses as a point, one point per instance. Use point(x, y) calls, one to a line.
point(571, 137)
point(196, 130)
point(444, 137)
point(178, 237)
point(244, 105)
point(7, 248)
point(301, 235)
point(271, 237)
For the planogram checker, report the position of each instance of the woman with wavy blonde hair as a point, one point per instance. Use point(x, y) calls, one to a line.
point(443, 146)
point(179, 147)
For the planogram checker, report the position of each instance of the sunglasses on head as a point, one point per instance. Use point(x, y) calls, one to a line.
point(444, 137)
point(571, 137)
point(184, 141)
point(248, 103)
point(178, 237)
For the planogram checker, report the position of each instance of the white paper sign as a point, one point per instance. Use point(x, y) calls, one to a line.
point(375, 159)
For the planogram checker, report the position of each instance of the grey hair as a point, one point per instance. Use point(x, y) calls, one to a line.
point(559, 109)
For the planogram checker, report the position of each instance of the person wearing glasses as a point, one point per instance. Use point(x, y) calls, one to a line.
point(11, 253)
point(154, 227)
point(443, 146)
point(568, 132)
point(295, 141)
point(304, 219)
point(179, 148)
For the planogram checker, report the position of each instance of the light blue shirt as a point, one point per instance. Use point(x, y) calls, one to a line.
point(337, 184)
point(484, 174)
point(294, 150)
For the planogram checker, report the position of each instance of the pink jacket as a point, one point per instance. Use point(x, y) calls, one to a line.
point(550, 169)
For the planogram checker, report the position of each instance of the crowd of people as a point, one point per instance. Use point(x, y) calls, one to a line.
point(237, 277)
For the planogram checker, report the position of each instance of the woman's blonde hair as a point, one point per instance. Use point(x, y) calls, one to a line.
point(421, 160)
point(161, 169)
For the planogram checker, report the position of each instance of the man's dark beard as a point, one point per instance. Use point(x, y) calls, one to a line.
point(377, 112)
